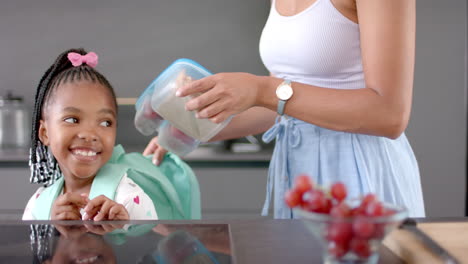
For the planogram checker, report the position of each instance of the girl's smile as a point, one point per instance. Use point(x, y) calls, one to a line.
point(85, 154)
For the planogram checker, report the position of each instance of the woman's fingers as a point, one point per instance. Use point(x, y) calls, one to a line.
point(213, 110)
point(159, 155)
point(202, 101)
point(157, 151)
point(220, 117)
point(198, 86)
point(151, 147)
point(235, 92)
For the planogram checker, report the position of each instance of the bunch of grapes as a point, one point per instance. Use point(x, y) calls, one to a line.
point(351, 227)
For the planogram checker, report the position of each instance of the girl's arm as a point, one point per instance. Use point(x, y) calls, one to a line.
point(381, 108)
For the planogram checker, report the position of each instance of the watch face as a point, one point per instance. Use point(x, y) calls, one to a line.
point(284, 92)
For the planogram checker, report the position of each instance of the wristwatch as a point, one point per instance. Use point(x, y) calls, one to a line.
point(283, 92)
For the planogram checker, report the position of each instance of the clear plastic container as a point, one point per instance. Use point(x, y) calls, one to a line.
point(175, 140)
point(147, 120)
point(158, 109)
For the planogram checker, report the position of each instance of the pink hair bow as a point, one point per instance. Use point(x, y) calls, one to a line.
point(77, 59)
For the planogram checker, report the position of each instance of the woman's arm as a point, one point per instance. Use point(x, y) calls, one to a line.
point(387, 31)
point(381, 108)
point(252, 121)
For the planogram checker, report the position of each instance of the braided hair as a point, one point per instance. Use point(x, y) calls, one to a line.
point(44, 239)
point(43, 165)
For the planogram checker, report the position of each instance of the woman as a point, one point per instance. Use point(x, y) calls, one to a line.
point(341, 84)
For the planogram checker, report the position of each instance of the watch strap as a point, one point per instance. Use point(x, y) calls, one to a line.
point(282, 103)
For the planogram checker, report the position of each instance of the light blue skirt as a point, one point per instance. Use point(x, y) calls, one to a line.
point(366, 164)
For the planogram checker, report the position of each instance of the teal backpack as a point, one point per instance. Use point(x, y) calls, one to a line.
point(172, 185)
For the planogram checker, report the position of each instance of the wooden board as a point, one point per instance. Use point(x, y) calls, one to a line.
point(452, 236)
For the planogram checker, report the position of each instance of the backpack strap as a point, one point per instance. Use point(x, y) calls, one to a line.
point(107, 180)
point(43, 204)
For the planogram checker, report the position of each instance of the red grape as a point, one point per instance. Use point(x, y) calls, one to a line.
point(293, 198)
point(340, 210)
point(303, 183)
point(363, 227)
point(340, 232)
point(315, 201)
point(374, 208)
point(328, 206)
point(360, 247)
point(338, 191)
point(337, 250)
point(368, 198)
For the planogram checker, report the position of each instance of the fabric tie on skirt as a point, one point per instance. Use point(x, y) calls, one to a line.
point(287, 136)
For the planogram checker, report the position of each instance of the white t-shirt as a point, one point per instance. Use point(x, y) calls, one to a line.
point(137, 203)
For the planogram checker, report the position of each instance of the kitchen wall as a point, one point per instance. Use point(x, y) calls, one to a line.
point(437, 129)
point(138, 39)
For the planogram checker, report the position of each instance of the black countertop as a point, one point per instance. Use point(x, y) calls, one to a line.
point(232, 241)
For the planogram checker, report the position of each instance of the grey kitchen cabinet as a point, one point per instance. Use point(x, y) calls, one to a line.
point(232, 193)
point(15, 192)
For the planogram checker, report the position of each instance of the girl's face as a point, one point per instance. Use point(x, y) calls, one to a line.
point(86, 248)
point(79, 127)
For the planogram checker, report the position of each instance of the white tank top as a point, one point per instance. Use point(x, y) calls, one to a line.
point(318, 46)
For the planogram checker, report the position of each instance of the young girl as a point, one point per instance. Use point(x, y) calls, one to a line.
point(73, 137)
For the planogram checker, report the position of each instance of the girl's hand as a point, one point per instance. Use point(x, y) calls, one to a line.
point(155, 149)
point(224, 94)
point(67, 206)
point(102, 208)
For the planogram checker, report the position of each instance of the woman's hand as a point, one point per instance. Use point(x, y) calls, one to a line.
point(103, 208)
point(67, 206)
point(155, 149)
point(224, 94)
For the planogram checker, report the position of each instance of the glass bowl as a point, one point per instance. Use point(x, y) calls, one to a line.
point(353, 239)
